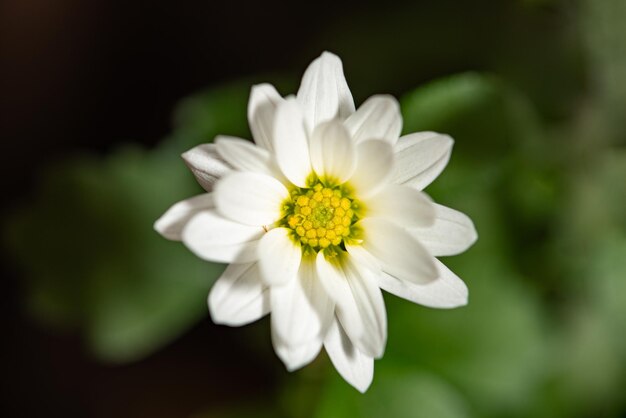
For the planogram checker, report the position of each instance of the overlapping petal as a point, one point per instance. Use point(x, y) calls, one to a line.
point(452, 232)
point(398, 253)
point(324, 92)
point(374, 166)
point(215, 238)
point(264, 99)
point(403, 205)
point(291, 143)
point(354, 366)
point(333, 153)
point(447, 291)
point(279, 257)
point(172, 222)
point(243, 155)
point(359, 303)
point(206, 165)
point(239, 296)
point(295, 357)
point(420, 158)
point(301, 309)
point(250, 198)
point(378, 118)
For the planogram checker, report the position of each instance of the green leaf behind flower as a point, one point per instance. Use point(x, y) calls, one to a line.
point(91, 258)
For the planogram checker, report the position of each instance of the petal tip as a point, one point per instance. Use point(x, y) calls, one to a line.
point(462, 301)
point(472, 234)
point(363, 387)
point(474, 238)
point(160, 226)
point(328, 55)
point(261, 86)
point(448, 143)
point(188, 156)
point(388, 99)
point(214, 310)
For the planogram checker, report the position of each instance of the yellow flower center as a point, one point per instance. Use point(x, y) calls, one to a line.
point(321, 216)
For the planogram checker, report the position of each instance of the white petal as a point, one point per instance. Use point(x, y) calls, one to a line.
point(238, 297)
point(333, 278)
point(354, 366)
point(374, 165)
point(398, 252)
point(291, 144)
point(261, 113)
point(403, 205)
point(279, 257)
point(371, 306)
point(171, 223)
point(214, 229)
point(363, 257)
point(359, 303)
point(301, 309)
point(206, 165)
point(244, 155)
point(452, 233)
point(244, 252)
point(295, 357)
point(378, 117)
point(250, 198)
point(420, 158)
point(324, 92)
point(214, 238)
point(447, 291)
point(333, 154)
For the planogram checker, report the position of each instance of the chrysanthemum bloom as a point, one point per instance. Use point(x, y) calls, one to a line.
point(324, 211)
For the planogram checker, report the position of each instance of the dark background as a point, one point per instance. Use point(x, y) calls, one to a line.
point(82, 76)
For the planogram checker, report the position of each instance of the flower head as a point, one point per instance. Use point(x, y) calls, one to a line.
point(321, 214)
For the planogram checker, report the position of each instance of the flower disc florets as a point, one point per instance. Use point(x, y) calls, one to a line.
point(321, 216)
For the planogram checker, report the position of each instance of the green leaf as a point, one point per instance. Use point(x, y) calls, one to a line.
point(589, 247)
point(486, 117)
point(86, 244)
point(603, 31)
point(93, 260)
point(395, 393)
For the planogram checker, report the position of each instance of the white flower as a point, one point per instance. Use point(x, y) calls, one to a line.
point(325, 210)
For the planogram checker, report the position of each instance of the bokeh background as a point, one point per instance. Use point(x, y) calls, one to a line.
point(104, 318)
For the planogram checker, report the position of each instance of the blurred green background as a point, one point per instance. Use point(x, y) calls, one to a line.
point(105, 318)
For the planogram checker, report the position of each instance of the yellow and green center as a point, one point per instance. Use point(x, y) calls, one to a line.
point(322, 216)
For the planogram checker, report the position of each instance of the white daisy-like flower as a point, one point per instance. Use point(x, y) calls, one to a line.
point(321, 214)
